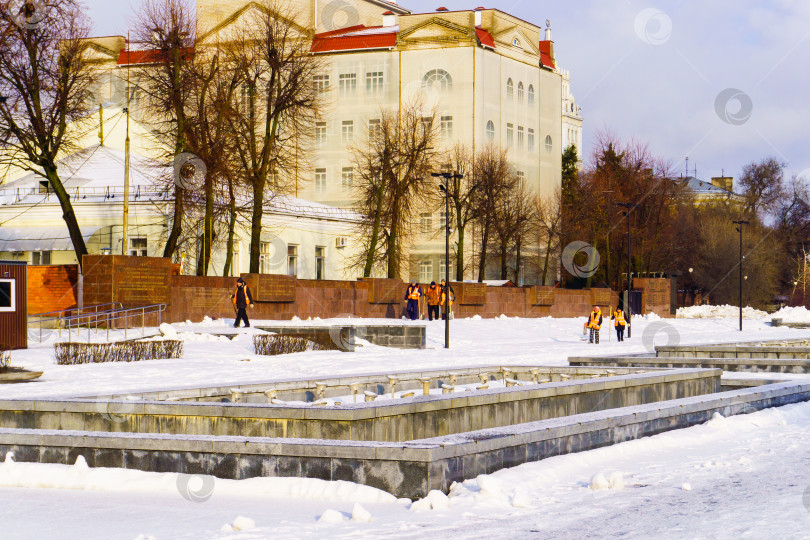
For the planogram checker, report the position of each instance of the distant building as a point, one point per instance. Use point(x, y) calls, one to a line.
point(720, 189)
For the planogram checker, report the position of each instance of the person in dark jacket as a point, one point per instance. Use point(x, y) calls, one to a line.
point(620, 321)
point(434, 297)
point(446, 287)
point(412, 296)
point(241, 299)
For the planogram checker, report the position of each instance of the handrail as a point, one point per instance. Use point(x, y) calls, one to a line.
point(68, 310)
point(80, 315)
point(107, 318)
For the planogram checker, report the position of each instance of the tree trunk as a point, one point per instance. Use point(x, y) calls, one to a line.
point(256, 225)
point(79, 247)
point(504, 260)
point(231, 226)
point(546, 261)
point(482, 256)
point(394, 270)
point(460, 254)
point(177, 223)
point(375, 237)
point(208, 227)
point(517, 262)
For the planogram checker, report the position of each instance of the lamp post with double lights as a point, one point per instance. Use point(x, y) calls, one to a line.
point(628, 308)
point(446, 189)
point(739, 223)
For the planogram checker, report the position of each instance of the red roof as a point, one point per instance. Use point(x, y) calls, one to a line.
point(485, 37)
point(354, 38)
point(150, 56)
point(545, 55)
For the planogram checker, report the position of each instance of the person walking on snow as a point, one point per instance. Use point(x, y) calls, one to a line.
point(446, 287)
point(594, 323)
point(412, 296)
point(241, 298)
point(620, 322)
point(434, 296)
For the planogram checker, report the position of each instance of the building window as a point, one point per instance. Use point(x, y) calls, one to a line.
point(321, 83)
point(426, 271)
point(531, 140)
point(137, 246)
point(443, 274)
point(490, 131)
point(374, 82)
point(347, 178)
point(292, 260)
point(235, 257)
point(442, 220)
point(426, 222)
point(531, 94)
point(427, 125)
point(516, 42)
point(7, 294)
point(510, 134)
point(320, 180)
point(320, 133)
point(40, 257)
point(347, 83)
point(521, 92)
point(264, 257)
point(510, 89)
point(347, 131)
point(549, 145)
point(438, 79)
point(520, 137)
point(320, 262)
point(521, 177)
point(447, 127)
point(374, 128)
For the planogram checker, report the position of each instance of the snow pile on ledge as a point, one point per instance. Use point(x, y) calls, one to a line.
point(793, 314)
point(82, 477)
point(718, 312)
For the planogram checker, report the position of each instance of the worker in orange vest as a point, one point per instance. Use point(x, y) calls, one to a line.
point(412, 296)
point(594, 323)
point(620, 322)
point(434, 296)
point(447, 289)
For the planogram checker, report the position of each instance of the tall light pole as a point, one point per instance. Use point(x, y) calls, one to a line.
point(628, 308)
point(740, 224)
point(446, 189)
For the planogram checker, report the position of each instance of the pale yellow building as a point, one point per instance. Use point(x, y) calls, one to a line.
point(492, 78)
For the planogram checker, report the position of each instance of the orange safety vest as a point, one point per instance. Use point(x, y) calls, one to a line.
point(413, 293)
point(593, 321)
point(619, 316)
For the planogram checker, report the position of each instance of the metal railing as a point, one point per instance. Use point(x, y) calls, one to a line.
point(111, 319)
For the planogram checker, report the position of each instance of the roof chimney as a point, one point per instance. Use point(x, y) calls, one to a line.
point(548, 31)
point(723, 182)
point(389, 19)
point(442, 9)
point(479, 12)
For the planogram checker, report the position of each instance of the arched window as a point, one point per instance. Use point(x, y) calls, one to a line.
point(531, 94)
point(438, 79)
point(490, 131)
point(549, 145)
point(510, 89)
point(516, 42)
point(521, 92)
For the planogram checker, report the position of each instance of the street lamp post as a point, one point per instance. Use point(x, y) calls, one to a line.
point(740, 224)
point(628, 308)
point(446, 189)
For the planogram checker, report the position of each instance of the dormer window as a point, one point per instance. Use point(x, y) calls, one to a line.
point(516, 42)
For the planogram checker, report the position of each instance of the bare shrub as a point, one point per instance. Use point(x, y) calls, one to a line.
point(5, 361)
point(272, 345)
point(68, 354)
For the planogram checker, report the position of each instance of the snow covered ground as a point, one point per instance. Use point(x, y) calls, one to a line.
point(744, 476)
point(210, 360)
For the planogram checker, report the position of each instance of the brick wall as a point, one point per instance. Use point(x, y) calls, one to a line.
point(52, 288)
point(138, 281)
point(656, 295)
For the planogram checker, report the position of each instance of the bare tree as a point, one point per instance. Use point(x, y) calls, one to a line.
point(394, 169)
point(167, 29)
point(549, 223)
point(492, 175)
point(513, 224)
point(46, 83)
point(460, 160)
point(278, 103)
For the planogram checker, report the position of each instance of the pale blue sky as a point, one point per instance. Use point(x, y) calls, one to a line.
point(654, 71)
